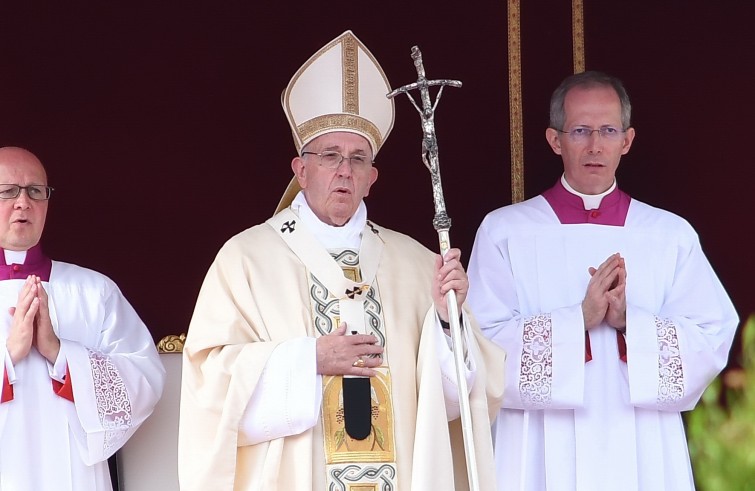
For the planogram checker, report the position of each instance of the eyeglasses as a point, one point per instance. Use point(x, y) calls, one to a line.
point(331, 159)
point(581, 134)
point(37, 192)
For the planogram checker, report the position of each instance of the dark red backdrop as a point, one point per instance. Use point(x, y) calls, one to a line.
point(163, 135)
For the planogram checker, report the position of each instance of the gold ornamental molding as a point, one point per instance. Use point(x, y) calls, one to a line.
point(515, 101)
point(515, 84)
point(578, 35)
point(172, 343)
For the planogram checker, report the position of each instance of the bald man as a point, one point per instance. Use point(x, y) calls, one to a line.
point(80, 369)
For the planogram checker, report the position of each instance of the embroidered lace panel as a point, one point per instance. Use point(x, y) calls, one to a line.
point(113, 403)
point(536, 375)
point(670, 374)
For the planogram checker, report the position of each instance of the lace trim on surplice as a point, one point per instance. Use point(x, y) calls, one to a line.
point(113, 403)
point(536, 374)
point(670, 373)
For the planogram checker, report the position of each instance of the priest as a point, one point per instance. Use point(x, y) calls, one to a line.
point(613, 319)
point(80, 369)
point(318, 355)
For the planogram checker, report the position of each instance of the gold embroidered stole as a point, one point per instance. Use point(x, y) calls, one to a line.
point(343, 288)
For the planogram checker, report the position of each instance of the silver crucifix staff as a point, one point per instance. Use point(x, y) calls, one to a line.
point(442, 224)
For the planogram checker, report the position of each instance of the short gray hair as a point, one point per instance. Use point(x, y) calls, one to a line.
point(587, 80)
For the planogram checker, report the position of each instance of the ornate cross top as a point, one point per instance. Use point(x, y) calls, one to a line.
point(429, 140)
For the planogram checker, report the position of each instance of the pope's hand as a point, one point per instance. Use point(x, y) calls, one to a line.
point(449, 275)
point(339, 353)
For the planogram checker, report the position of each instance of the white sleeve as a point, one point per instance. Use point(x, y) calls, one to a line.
point(444, 348)
point(288, 395)
point(116, 380)
point(673, 355)
point(8, 364)
point(546, 351)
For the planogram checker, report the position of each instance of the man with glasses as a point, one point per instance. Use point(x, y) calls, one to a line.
point(80, 369)
point(612, 317)
point(316, 356)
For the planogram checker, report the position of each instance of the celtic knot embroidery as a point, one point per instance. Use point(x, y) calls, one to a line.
point(351, 475)
point(325, 307)
point(113, 403)
point(670, 374)
point(347, 257)
point(536, 375)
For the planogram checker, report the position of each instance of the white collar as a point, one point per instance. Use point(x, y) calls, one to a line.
point(590, 201)
point(347, 236)
point(14, 257)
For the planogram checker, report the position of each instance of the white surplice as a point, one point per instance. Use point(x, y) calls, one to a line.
point(572, 425)
point(48, 442)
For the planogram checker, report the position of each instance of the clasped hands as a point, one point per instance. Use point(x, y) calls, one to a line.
point(31, 324)
point(605, 299)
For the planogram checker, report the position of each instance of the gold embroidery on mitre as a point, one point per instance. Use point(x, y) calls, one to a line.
point(333, 122)
point(350, 57)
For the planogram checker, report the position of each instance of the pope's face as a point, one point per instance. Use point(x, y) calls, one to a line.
point(334, 194)
point(590, 165)
point(21, 219)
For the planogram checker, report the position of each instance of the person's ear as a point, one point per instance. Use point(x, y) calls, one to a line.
point(299, 168)
point(373, 178)
point(551, 136)
point(628, 139)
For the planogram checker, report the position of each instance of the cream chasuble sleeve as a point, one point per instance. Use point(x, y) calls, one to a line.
point(234, 330)
point(432, 429)
point(287, 399)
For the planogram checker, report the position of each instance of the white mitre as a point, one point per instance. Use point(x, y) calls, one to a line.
point(340, 88)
